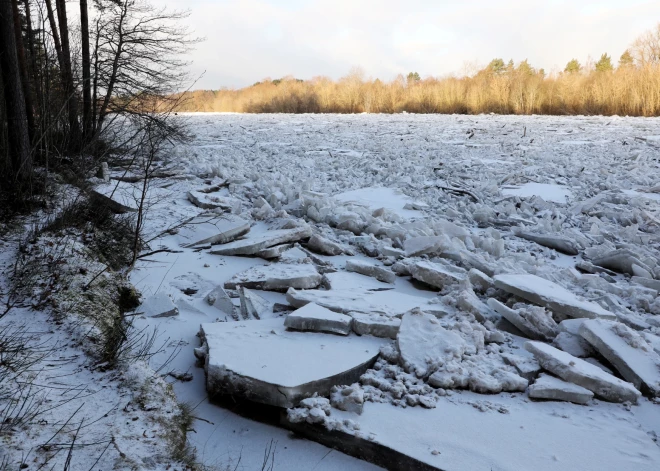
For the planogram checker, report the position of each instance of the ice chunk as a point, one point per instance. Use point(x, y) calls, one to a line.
point(415, 246)
point(377, 325)
point(527, 368)
point(573, 344)
point(324, 246)
point(623, 261)
point(560, 244)
point(209, 201)
point(369, 269)
point(627, 351)
point(219, 299)
point(315, 318)
point(263, 362)
point(257, 243)
point(550, 295)
point(425, 345)
point(211, 229)
point(437, 274)
point(574, 370)
point(389, 302)
point(253, 306)
point(274, 252)
point(480, 281)
point(549, 387)
point(535, 322)
point(277, 277)
point(158, 305)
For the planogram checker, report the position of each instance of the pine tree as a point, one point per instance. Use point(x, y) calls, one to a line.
point(626, 60)
point(413, 77)
point(496, 66)
point(604, 64)
point(573, 67)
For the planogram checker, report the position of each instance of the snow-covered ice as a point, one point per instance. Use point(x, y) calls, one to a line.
point(404, 193)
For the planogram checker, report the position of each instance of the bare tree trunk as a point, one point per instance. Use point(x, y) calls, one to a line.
point(56, 35)
point(17, 129)
point(23, 70)
point(115, 66)
point(69, 90)
point(86, 70)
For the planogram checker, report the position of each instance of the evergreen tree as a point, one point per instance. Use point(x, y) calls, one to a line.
point(604, 64)
point(413, 77)
point(496, 67)
point(573, 67)
point(525, 68)
point(626, 60)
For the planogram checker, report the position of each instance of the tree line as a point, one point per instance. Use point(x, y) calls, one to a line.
point(629, 87)
point(64, 85)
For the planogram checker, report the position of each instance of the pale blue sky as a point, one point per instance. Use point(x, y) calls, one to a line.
point(248, 40)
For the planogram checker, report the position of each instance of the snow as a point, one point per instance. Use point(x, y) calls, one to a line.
point(549, 192)
point(376, 198)
point(278, 166)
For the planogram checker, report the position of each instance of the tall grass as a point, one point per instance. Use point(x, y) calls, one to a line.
point(631, 91)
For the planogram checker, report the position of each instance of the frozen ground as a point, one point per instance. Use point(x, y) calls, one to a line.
point(431, 198)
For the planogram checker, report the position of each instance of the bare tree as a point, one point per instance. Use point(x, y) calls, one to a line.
point(646, 48)
point(138, 56)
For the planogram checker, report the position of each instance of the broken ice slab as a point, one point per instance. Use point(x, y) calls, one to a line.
point(219, 299)
point(415, 246)
point(560, 244)
point(371, 270)
point(213, 201)
point(211, 229)
point(549, 387)
point(263, 362)
point(277, 277)
point(274, 252)
point(315, 318)
point(158, 305)
point(118, 197)
point(325, 246)
point(573, 344)
point(627, 351)
point(425, 345)
point(624, 261)
point(343, 280)
point(253, 306)
point(377, 325)
point(437, 274)
point(535, 322)
point(458, 436)
point(526, 367)
point(256, 243)
point(574, 370)
point(389, 303)
point(550, 295)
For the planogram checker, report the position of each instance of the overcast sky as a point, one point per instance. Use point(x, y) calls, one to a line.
point(248, 40)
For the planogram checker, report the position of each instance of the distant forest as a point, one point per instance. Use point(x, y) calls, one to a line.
point(627, 86)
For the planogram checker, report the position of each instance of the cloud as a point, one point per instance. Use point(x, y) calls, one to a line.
point(248, 40)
